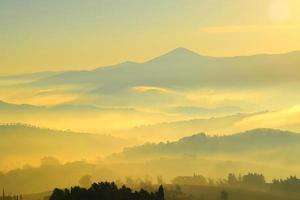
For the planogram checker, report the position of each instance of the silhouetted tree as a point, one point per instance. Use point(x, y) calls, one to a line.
point(290, 184)
point(161, 193)
point(106, 191)
point(254, 179)
point(57, 194)
point(232, 180)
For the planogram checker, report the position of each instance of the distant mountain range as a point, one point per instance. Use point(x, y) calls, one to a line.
point(159, 99)
point(177, 129)
point(27, 113)
point(27, 109)
point(183, 69)
point(30, 76)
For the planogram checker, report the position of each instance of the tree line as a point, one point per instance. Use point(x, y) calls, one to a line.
point(250, 180)
point(106, 191)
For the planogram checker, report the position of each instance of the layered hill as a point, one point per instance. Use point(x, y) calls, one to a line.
point(22, 144)
point(259, 144)
point(175, 130)
point(268, 151)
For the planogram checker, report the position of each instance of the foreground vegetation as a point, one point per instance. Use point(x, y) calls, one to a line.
point(106, 191)
point(197, 187)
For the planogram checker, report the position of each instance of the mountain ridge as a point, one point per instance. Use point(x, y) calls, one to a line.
point(261, 141)
point(176, 51)
point(183, 68)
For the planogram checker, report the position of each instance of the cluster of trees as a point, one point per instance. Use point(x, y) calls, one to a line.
point(290, 184)
point(250, 179)
point(137, 183)
point(10, 197)
point(106, 191)
point(191, 180)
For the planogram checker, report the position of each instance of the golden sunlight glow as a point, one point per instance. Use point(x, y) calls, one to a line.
point(279, 10)
point(144, 89)
point(143, 94)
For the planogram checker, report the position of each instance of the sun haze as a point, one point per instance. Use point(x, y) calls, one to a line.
point(61, 35)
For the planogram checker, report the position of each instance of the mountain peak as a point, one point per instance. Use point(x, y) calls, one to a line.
point(182, 51)
point(178, 54)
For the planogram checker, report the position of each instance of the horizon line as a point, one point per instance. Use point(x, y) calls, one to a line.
point(145, 61)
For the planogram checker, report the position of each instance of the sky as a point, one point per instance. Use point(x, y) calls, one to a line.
point(52, 35)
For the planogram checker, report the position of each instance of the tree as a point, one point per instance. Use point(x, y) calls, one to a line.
point(232, 180)
point(106, 191)
point(160, 195)
point(290, 184)
point(254, 179)
point(57, 194)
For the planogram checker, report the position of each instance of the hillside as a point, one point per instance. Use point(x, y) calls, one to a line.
point(262, 140)
point(27, 144)
point(177, 129)
point(268, 151)
point(213, 193)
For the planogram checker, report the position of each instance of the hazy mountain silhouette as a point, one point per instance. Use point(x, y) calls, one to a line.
point(177, 129)
point(24, 143)
point(197, 110)
point(13, 108)
point(29, 76)
point(182, 68)
point(258, 140)
point(27, 108)
point(269, 151)
point(49, 174)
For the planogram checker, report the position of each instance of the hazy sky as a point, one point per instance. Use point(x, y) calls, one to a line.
point(38, 35)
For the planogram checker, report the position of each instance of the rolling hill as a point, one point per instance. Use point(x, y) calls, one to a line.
point(27, 144)
point(223, 125)
point(272, 152)
point(260, 140)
